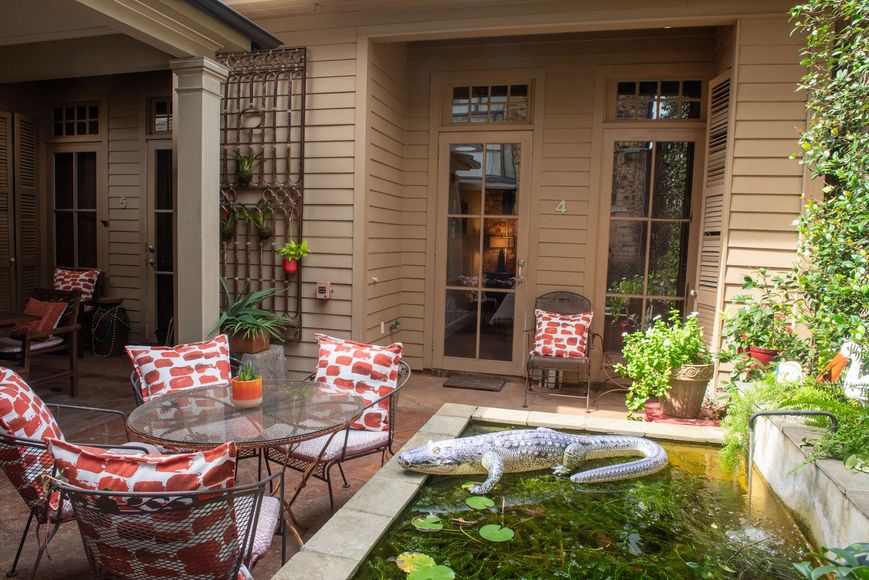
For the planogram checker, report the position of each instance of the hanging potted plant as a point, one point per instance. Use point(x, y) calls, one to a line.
point(250, 327)
point(292, 252)
point(228, 219)
point(247, 387)
point(245, 165)
point(668, 360)
point(256, 217)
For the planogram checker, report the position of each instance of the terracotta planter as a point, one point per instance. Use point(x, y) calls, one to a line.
point(764, 356)
point(291, 266)
point(240, 344)
point(687, 389)
point(247, 394)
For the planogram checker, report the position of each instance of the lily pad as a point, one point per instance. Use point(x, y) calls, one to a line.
point(432, 573)
point(469, 484)
point(479, 502)
point(430, 523)
point(496, 533)
point(409, 561)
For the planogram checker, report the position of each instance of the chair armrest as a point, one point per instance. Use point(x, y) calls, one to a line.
point(114, 412)
point(311, 377)
point(53, 331)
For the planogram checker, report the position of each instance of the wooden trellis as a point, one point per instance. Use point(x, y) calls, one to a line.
point(263, 115)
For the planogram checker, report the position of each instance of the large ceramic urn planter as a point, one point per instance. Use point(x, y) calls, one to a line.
point(687, 390)
point(240, 344)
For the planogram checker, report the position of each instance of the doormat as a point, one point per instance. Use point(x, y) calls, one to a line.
point(474, 382)
point(655, 415)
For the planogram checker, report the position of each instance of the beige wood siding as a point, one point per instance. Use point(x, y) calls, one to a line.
point(766, 185)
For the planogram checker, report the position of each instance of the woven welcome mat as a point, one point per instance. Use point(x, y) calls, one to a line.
point(474, 382)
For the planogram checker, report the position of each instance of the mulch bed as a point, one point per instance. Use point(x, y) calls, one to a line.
point(655, 415)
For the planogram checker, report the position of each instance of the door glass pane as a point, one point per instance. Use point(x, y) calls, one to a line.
point(460, 323)
point(674, 168)
point(87, 239)
point(163, 241)
point(64, 241)
point(165, 303)
point(623, 315)
point(496, 325)
point(502, 178)
point(463, 252)
point(632, 167)
point(662, 308)
point(499, 253)
point(466, 179)
point(668, 259)
point(63, 180)
point(86, 176)
point(627, 251)
point(163, 183)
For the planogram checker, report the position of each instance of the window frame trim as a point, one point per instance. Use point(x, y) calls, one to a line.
point(102, 118)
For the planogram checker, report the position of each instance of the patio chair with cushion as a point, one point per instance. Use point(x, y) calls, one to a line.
point(187, 520)
point(25, 422)
point(562, 342)
point(89, 282)
point(373, 431)
point(49, 334)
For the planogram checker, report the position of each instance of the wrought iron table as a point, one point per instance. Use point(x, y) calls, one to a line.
point(204, 417)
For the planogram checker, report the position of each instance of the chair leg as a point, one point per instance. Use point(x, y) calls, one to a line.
point(588, 389)
point(73, 366)
point(42, 549)
point(527, 388)
point(328, 478)
point(344, 477)
point(12, 571)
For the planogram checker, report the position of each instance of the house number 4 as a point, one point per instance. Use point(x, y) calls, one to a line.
point(561, 207)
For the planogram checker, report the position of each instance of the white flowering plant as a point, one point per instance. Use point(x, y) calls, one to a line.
point(654, 353)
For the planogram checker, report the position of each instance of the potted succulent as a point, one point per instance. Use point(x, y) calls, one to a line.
point(761, 331)
point(292, 252)
point(228, 219)
point(245, 165)
point(247, 387)
point(250, 327)
point(668, 360)
point(256, 217)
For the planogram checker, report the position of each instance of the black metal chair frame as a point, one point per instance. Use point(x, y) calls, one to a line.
point(84, 501)
point(560, 302)
point(40, 509)
point(67, 328)
point(323, 470)
point(85, 316)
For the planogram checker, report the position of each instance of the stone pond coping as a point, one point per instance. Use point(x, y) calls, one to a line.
point(829, 502)
point(342, 544)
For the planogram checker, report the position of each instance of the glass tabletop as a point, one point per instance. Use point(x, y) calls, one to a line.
point(204, 417)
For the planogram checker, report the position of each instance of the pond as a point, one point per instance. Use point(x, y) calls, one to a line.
point(691, 519)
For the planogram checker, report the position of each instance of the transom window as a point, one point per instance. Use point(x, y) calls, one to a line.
point(160, 115)
point(76, 120)
point(491, 104)
point(658, 100)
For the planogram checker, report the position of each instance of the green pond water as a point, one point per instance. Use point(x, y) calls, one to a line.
point(689, 520)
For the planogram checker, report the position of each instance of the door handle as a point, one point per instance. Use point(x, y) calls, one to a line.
point(520, 266)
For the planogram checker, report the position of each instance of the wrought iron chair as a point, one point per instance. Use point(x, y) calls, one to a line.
point(87, 307)
point(63, 338)
point(346, 445)
point(538, 367)
point(210, 533)
point(28, 464)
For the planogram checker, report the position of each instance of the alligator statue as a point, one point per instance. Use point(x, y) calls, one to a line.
point(518, 450)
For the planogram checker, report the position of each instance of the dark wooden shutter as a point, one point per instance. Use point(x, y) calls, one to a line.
point(8, 299)
point(26, 148)
point(710, 254)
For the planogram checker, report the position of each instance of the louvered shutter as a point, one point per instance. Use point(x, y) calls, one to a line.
point(8, 299)
point(26, 236)
point(712, 221)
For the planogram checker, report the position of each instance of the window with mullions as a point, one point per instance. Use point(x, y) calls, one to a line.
point(76, 120)
point(160, 115)
point(658, 100)
point(491, 104)
point(75, 209)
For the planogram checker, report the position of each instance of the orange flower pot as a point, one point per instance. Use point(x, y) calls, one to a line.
point(247, 394)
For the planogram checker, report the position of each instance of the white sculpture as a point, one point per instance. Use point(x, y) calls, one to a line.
point(789, 372)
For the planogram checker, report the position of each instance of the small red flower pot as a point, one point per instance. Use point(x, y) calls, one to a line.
point(764, 356)
point(247, 394)
point(291, 266)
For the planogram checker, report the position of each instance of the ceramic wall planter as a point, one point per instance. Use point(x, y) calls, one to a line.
point(291, 266)
point(687, 389)
point(240, 344)
point(247, 394)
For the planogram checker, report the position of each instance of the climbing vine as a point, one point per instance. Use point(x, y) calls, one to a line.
point(833, 272)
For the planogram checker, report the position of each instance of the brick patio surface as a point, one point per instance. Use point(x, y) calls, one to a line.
point(105, 383)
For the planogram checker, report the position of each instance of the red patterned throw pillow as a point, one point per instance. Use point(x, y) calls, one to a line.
point(163, 370)
point(561, 335)
point(49, 314)
point(368, 370)
point(84, 281)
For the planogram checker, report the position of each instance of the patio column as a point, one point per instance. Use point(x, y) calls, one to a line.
point(196, 139)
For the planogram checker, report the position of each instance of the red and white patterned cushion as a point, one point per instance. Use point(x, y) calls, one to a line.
point(561, 335)
point(156, 536)
point(163, 369)
point(368, 370)
point(23, 414)
point(103, 469)
point(84, 281)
